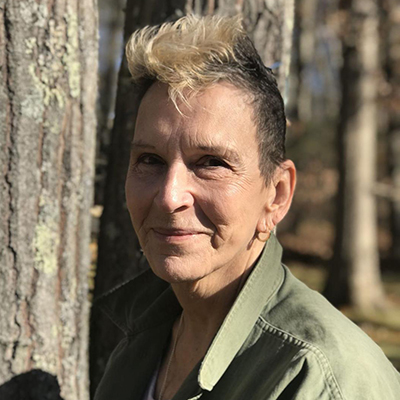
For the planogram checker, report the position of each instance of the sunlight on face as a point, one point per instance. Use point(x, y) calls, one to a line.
point(194, 189)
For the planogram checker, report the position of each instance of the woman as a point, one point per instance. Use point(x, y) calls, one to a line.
point(218, 316)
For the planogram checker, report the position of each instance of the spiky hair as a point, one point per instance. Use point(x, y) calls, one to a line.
point(195, 52)
point(184, 54)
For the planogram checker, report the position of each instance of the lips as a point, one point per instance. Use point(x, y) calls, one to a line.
point(176, 231)
point(177, 236)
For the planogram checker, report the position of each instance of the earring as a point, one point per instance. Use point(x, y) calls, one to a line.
point(263, 236)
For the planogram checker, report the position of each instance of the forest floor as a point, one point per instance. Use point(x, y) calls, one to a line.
point(382, 326)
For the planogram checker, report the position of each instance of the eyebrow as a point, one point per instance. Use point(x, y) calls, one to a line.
point(141, 145)
point(227, 152)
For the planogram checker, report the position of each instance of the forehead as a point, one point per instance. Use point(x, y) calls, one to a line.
point(220, 111)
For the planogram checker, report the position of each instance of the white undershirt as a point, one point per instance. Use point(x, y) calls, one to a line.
point(150, 392)
point(151, 389)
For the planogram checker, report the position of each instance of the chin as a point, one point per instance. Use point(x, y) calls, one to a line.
point(178, 269)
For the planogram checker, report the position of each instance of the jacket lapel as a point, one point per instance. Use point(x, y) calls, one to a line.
point(145, 309)
point(261, 285)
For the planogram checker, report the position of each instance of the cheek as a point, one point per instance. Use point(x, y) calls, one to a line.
point(225, 211)
point(138, 201)
point(216, 207)
point(234, 211)
point(130, 194)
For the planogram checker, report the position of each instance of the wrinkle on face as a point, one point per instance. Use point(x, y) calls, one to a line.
point(228, 201)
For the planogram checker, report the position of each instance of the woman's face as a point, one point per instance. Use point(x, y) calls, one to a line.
point(194, 189)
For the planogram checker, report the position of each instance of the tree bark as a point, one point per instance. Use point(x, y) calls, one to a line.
point(355, 274)
point(48, 66)
point(270, 25)
point(111, 20)
point(308, 39)
point(392, 107)
point(296, 68)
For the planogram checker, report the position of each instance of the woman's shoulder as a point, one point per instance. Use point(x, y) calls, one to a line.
point(324, 340)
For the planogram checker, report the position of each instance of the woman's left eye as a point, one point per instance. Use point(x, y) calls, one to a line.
point(211, 161)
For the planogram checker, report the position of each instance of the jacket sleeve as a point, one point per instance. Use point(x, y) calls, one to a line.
point(311, 377)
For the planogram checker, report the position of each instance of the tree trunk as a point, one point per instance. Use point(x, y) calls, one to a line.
point(111, 21)
point(296, 69)
point(392, 107)
point(308, 39)
point(270, 25)
point(355, 275)
point(48, 66)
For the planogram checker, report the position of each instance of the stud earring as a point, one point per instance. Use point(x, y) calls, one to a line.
point(263, 236)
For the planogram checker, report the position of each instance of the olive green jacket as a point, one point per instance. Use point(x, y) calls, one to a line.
point(280, 340)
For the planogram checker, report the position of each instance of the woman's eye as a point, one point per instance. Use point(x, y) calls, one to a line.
point(149, 159)
point(210, 161)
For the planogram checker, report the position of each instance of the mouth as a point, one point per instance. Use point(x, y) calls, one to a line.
point(176, 235)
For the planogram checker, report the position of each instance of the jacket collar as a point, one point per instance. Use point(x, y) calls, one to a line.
point(260, 287)
point(141, 303)
point(146, 302)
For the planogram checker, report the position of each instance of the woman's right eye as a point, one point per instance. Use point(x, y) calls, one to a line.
point(149, 159)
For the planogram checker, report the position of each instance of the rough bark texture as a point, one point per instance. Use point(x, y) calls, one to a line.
point(355, 273)
point(269, 24)
point(48, 65)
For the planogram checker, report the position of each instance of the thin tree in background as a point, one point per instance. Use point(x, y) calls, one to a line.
point(355, 274)
point(111, 19)
point(307, 10)
point(392, 107)
point(270, 25)
point(48, 85)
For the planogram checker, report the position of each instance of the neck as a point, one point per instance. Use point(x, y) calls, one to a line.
point(206, 302)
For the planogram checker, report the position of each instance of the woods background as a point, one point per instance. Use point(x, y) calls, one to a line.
point(62, 195)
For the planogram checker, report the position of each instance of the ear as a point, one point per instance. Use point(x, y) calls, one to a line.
point(280, 194)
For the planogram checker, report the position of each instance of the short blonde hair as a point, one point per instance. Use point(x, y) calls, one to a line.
point(195, 52)
point(184, 54)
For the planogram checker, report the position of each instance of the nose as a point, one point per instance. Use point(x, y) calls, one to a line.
point(174, 193)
